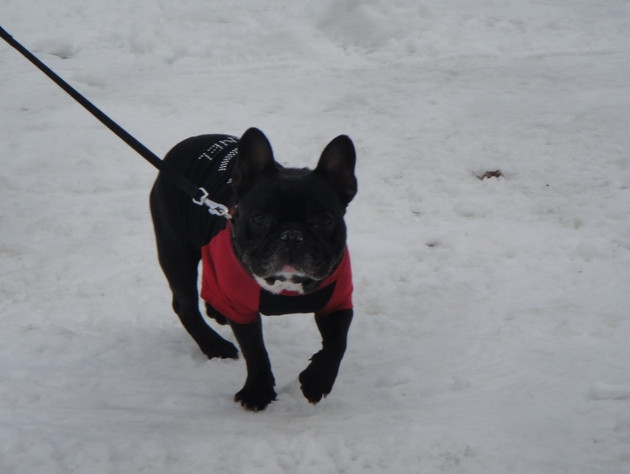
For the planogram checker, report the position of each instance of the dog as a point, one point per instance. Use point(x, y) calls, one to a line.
point(282, 252)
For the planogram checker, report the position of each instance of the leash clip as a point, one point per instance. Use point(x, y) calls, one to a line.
point(214, 208)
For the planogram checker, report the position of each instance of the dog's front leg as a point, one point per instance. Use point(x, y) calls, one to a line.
point(318, 378)
point(258, 390)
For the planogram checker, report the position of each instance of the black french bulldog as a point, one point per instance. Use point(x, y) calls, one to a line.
point(283, 251)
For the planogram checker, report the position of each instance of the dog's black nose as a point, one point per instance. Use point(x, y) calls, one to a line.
point(292, 235)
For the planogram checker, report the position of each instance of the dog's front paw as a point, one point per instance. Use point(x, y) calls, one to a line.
point(318, 378)
point(255, 398)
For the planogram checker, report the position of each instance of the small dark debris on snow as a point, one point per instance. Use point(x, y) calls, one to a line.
point(489, 174)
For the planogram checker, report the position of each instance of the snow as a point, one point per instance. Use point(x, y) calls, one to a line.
point(491, 330)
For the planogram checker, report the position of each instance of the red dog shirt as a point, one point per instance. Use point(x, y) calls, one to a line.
point(232, 291)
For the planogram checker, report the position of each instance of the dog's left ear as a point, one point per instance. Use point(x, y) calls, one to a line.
point(255, 158)
point(336, 165)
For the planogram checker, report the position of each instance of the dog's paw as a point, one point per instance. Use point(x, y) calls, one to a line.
point(214, 314)
point(314, 388)
point(255, 398)
point(318, 378)
point(221, 349)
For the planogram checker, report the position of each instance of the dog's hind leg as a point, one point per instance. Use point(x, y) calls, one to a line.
point(180, 261)
point(180, 269)
point(214, 314)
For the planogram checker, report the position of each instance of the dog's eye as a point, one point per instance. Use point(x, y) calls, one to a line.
point(261, 220)
point(323, 220)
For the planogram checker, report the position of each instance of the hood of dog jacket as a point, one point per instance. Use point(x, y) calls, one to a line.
point(232, 291)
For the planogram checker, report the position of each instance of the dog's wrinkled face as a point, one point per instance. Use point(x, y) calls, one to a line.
point(288, 229)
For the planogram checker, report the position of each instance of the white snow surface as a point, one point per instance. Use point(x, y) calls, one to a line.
point(492, 325)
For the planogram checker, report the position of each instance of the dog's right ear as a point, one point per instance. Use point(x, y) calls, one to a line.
point(255, 158)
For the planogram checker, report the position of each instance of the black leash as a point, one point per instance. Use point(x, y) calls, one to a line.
point(198, 195)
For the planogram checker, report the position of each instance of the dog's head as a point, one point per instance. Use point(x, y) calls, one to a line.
point(288, 229)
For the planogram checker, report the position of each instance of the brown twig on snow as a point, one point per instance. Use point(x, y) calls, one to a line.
point(489, 174)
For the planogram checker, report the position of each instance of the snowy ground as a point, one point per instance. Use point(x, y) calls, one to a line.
point(492, 321)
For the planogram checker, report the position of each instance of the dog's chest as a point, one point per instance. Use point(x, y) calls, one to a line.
point(283, 282)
